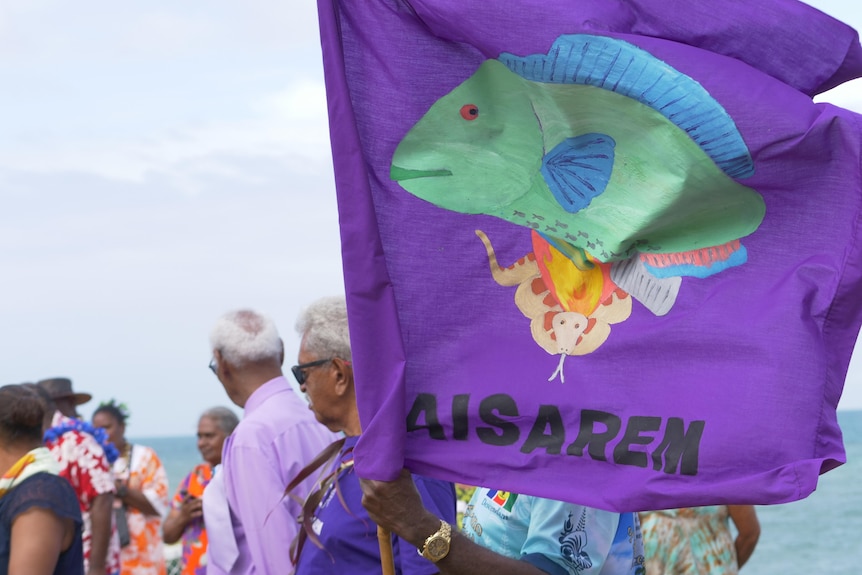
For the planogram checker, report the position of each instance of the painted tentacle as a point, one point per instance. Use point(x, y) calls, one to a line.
point(534, 298)
point(543, 334)
point(514, 274)
point(615, 309)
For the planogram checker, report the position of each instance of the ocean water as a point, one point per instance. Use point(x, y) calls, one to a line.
point(821, 534)
point(179, 455)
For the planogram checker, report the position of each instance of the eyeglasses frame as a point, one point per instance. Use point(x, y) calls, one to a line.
point(298, 370)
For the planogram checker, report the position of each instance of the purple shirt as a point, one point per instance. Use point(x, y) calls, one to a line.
point(349, 537)
point(276, 438)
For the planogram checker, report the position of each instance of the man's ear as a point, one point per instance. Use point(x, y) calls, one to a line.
point(221, 365)
point(343, 376)
point(281, 354)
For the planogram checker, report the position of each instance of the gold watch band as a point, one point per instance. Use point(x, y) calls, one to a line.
point(436, 546)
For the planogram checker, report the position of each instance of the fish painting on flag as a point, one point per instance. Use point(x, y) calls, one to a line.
point(620, 165)
point(604, 252)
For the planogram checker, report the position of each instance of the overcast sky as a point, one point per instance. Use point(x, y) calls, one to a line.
point(162, 163)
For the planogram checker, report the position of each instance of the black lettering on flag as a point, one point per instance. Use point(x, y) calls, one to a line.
point(425, 403)
point(632, 436)
point(679, 446)
point(677, 451)
point(504, 405)
point(460, 427)
point(549, 415)
point(587, 434)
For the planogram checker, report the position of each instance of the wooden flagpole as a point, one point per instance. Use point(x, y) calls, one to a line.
point(384, 539)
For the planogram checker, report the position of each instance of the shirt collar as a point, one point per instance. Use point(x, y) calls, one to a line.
point(265, 391)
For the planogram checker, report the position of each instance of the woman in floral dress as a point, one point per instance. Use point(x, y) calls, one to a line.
point(142, 489)
point(698, 540)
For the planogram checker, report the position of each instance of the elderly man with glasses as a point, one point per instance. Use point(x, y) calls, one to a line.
point(344, 539)
point(276, 438)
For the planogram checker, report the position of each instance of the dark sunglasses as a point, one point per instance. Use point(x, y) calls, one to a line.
point(298, 370)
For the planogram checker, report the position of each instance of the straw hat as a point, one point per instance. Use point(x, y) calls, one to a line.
point(60, 387)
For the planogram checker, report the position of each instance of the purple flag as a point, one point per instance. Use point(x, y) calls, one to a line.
point(599, 251)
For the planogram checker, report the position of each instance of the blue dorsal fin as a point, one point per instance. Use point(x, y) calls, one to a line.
point(624, 68)
point(578, 169)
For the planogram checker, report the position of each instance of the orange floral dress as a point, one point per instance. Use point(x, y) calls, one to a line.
point(144, 555)
point(195, 534)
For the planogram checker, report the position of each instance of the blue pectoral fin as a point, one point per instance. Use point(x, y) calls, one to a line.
point(578, 169)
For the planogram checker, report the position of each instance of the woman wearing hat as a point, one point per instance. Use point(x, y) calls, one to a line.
point(40, 522)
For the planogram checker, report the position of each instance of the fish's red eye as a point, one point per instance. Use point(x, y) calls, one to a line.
point(469, 112)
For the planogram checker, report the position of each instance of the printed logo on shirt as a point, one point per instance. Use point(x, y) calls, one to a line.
point(573, 543)
point(504, 499)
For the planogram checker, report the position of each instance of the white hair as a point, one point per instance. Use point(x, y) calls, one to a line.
point(245, 336)
point(323, 326)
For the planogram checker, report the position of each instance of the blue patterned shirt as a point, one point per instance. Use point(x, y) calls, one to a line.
point(559, 538)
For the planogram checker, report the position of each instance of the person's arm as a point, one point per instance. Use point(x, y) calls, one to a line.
point(438, 497)
point(255, 492)
point(175, 523)
point(179, 518)
point(744, 517)
point(135, 498)
point(38, 537)
point(101, 513)
point(398, 507)
point(152, 497)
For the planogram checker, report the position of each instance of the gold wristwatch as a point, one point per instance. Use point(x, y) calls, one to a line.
point(437, 545)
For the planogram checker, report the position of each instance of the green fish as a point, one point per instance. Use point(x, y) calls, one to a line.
point(598, 146)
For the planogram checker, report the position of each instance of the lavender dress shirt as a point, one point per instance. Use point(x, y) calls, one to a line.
point(276, 438)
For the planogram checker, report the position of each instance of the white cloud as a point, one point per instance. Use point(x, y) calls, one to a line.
point(290, 124)
point(52, 32)
point(159, 90)
point(847, 95)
